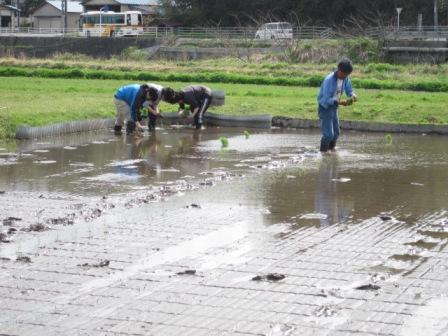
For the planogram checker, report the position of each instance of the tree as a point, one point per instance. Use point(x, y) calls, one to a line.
point(316, 12)
point(28, 6)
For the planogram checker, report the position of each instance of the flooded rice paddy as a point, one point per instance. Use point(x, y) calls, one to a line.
point(297, 243)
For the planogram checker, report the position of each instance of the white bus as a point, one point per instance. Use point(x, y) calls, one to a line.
point(111, 24)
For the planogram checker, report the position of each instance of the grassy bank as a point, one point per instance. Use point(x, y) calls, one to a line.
point(40, 101)
point(431, 78)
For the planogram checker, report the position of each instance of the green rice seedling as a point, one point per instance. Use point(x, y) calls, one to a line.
point(246, 134)
point(388, 139)
point(224, 142)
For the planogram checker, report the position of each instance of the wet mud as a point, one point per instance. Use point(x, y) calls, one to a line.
point(123, 225)
point(269, 277)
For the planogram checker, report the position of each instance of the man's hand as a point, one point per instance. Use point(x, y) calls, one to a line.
point(354, 97)
point(139, 126)
point(343, 102)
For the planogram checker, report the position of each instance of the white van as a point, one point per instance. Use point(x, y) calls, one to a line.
point(274, 31)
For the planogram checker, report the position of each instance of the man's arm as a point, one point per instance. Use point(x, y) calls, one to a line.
point(349, 90)
point(327, 98)
point(195, 111)
point(153, 109)
point(136, 116)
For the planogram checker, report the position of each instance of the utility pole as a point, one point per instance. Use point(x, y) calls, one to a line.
point(399, 9)
point(436, 17)
point(64, 12)
point(18, 14)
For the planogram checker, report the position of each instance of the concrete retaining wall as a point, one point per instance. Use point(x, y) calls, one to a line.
point(417, 51)
point(184, 53)
point(363, 126)
point(27, 132)
point(212, 119)
point(46, 46)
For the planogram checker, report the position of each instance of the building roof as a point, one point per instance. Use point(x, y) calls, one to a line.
point(72, 6)
point(132, 2)
point(12, 8)
point(146, 10)
point(139, 2)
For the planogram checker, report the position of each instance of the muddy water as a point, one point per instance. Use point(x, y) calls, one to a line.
point(405, 176)
point(363, 223)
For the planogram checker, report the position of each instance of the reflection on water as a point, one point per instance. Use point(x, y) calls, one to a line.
point(327, 203)
point(101, 162)
point(407, 179)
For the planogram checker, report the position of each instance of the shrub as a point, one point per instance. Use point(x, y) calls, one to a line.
point(75, 73)
point(379, 67)
point(361, 50)
point(134, 54)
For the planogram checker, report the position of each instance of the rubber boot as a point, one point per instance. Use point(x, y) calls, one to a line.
point(117, 129)
point(323, 147)
point(130, 127)
point(332, 145)
point(152, 123)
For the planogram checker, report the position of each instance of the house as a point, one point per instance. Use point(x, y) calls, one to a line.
point(9, 16)
point(149, 8)
point(50, 15)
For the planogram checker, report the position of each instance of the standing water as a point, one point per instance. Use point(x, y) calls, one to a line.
point(144, 229)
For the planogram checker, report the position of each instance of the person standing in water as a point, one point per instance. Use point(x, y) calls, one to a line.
point(329, 99)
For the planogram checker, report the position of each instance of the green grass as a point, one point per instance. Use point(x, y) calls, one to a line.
point(418, 77)
point(41, 101)
point(220, 77)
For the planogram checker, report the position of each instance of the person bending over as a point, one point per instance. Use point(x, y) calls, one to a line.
point(129, 100)
point(158, 93)
point(198, 97)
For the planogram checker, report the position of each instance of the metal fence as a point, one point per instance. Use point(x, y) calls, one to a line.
point(235, 32)
point(40, 31)
point(311, 32)
point(409, 32)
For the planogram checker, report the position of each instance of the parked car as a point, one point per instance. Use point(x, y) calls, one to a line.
point(274, 31)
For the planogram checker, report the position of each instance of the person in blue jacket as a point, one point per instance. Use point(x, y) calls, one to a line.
point(129, 99)
point(329, 99)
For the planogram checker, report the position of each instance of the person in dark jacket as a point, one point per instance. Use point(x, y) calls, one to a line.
point(198, 97)
point(329, 99)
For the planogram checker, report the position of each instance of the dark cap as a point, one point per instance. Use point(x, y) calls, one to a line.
point(346, 66)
